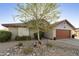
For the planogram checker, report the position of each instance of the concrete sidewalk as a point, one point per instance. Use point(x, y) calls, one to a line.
point(74, 42)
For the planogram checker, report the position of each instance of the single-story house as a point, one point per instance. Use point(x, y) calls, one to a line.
point(60, 30)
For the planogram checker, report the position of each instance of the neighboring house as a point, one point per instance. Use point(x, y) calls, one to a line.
point(61, 30)
point(77, 32)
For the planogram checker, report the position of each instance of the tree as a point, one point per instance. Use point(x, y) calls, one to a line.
point(38, 15)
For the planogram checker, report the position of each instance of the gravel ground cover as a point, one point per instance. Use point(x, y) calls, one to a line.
point(55, 48)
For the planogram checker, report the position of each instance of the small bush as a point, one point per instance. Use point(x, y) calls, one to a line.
point(19, 44)
point(49, 45)
point(27, 50)
point(5, 36)
point(41, 35)
point(21, 38)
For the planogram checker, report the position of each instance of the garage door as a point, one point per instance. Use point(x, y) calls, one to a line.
point(63, 34)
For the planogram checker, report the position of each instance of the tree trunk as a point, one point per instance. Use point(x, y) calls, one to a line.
point(37, 24)
point(38, 34)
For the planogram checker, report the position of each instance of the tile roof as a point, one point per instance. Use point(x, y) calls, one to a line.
point(25, 25)
point(15, 25)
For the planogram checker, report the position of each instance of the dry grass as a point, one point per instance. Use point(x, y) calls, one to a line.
point(27, 50)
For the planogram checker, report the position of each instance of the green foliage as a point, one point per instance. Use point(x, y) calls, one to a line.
point(21, 38)
point(38, 15)
point(34, 11)
point(27, 50)
point(5, 36)
point(49, 45)
point(41, 35)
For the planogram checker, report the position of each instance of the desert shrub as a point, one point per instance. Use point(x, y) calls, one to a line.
point(19, 44)
point(49, 45)
point(5, 36)
point(41, 35)
point(27, 50)
point(21, 38)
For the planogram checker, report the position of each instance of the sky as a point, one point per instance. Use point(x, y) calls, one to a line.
point(67, 11)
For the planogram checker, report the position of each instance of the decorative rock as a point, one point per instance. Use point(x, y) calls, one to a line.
point(8, 49)
point(41, 50)
point(7, 54)
point(34, 54)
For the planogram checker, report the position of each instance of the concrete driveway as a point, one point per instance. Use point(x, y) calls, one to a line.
point(70, 41)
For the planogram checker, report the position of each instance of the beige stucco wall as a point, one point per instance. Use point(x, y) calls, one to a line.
point(23, 31)
point(63, 26)
point(14, 32)
point(18, 31)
